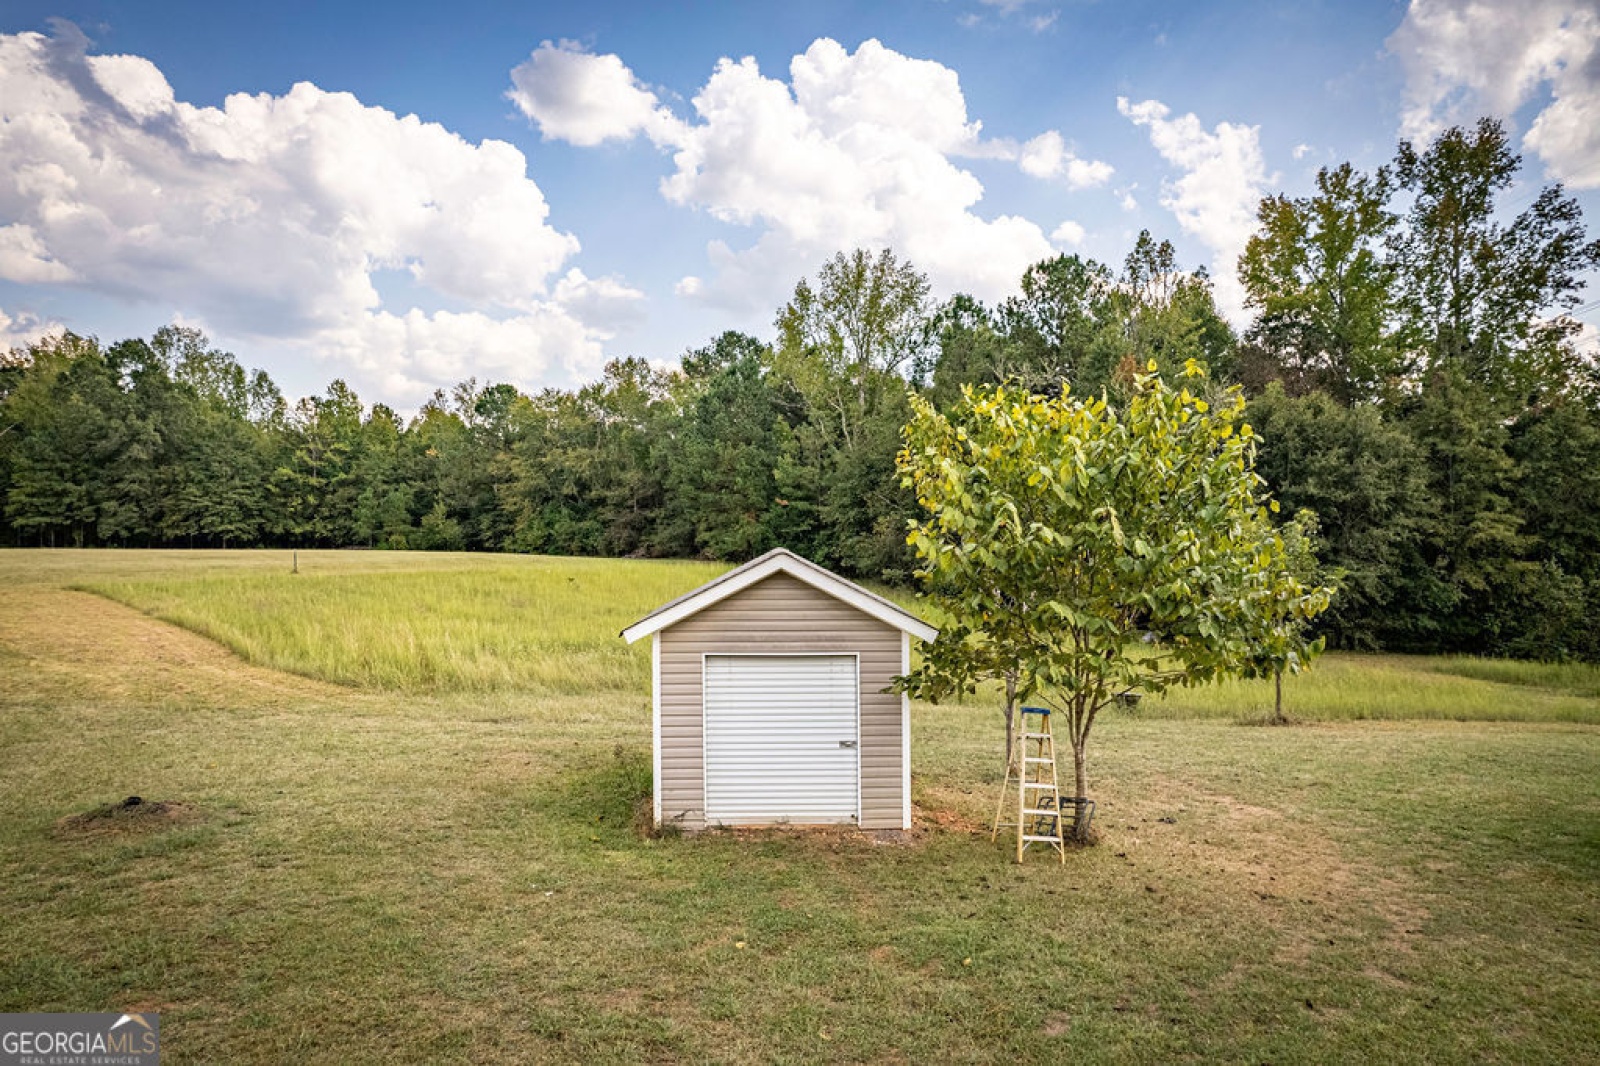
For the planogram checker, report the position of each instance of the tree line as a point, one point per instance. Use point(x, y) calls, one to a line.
point(1411, 366)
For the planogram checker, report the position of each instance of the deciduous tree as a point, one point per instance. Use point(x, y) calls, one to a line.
point(1479, 293)
point(1061, 534)
point(1318, 278)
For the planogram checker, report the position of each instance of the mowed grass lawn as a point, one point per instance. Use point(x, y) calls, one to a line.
point(401, 828)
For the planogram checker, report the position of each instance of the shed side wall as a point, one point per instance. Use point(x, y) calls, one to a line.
point(777, 615)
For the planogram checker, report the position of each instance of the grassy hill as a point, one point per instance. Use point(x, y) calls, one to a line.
point(392, 816)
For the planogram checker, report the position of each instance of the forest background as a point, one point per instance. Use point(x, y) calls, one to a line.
point(1413, 367)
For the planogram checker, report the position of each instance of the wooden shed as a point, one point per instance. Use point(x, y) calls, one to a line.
point(772, 700)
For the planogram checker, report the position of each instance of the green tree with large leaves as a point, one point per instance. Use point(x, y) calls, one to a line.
point(1280, 645)
point(1087, 552)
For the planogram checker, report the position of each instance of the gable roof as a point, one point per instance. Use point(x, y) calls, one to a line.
point(778, 561)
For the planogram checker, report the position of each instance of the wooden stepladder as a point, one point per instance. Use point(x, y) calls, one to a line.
point(1032, 770)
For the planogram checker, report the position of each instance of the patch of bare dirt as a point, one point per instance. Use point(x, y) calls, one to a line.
point(825, 837)
point(1385, 978)
point(926, 822)
point(1284, 865)
point(944, 820)
point(132, 815)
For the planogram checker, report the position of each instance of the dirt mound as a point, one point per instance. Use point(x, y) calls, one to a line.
point(134, 814)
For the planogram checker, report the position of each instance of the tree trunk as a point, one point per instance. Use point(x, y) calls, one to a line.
point(1011, 718)
point(1277, 706)
point(1011, 740)
point(1080, 777)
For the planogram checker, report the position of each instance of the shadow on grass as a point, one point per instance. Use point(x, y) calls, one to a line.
point(613, 794)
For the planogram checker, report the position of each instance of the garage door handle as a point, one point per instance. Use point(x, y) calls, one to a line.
point(847, 743)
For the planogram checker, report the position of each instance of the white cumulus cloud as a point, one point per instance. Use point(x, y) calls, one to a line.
point(270, 217)
point(25, 259)
point(854, 149)
point(1223, 177)
point(1467, 58)
point(23, 328)
point(1047, 156)
point(445, 347)
point(605, 304)
point(585, 99)
point(1069, 233)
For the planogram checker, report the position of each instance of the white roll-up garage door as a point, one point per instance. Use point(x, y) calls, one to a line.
point(781, 739)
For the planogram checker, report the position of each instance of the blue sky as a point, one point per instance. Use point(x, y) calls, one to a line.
point(519, 192)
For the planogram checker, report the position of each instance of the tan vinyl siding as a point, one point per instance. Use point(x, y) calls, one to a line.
point(777, 615)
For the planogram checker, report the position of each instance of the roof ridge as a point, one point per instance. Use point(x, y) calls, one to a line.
point(790, 562)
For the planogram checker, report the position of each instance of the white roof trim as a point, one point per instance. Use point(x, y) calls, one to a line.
point(779, 561)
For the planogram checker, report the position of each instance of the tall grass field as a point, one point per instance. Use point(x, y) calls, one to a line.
point(546, 625)
point(390, 813)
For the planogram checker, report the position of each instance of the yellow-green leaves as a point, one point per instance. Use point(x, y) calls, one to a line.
point(1059, 532)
